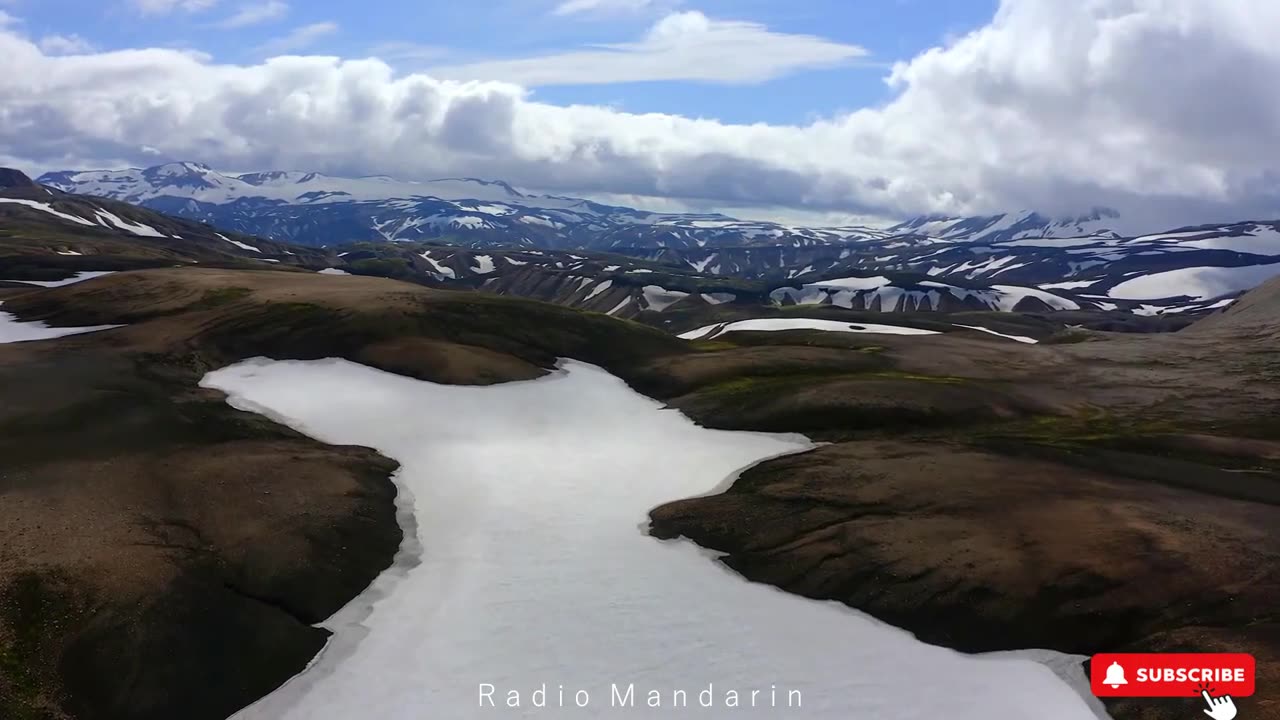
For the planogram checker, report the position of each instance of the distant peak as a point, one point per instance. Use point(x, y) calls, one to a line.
point(178, 168)
point(11, 178)
point(182, 174)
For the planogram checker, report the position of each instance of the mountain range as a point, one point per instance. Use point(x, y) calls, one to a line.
point(315, 209)
point(927, 361)
point(44, 232)
point(1095, 260)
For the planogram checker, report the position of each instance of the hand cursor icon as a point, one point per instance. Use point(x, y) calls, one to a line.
point(1222, 708)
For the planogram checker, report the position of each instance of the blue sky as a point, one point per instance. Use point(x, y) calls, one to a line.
point(425, 34)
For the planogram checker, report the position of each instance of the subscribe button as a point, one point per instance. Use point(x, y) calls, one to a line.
point(1171, 674)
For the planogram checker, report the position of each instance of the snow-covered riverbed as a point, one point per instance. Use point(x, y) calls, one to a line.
point(526, 564)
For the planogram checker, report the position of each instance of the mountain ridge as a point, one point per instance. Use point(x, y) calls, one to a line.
point(1095, 255)
point(43, 229)
point(197, 182)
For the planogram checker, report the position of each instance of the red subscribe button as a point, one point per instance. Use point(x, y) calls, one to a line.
point(1171, 674)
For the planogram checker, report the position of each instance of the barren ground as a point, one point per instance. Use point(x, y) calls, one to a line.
point(162, 555)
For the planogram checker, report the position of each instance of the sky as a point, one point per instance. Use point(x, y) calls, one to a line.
point(823, 110)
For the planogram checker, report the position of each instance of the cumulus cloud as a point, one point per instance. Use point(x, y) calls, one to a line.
point(1157, 107)
point(680, 46)
point(255, 14)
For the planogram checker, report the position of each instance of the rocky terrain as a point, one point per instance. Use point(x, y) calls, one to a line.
point(1012, 475)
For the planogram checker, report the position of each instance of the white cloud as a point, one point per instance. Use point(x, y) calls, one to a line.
point(256, 14)
point(299, 38)
point(573, 7)
point(681, 46)
point(6, 19)
point(397, 52)
point(164, 7)
point(65, 45)
point(1162, 107)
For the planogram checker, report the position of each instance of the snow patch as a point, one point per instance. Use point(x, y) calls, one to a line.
point(535, 220)
point(244, 246)
point(1071, 285)
point(1201, 283)
point(779, 324)
point(603, 286)
point(441, 270)
point(617, 308)
point(488, 587)
point(701, 265)
point(12, 330)
point(45, 207)
point(138, 229)
point(1019, 338)
point(658, 298)
point(1011, 295)
point(1260, 240)
point(78, 277)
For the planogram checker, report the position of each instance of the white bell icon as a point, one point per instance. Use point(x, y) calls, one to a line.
point(1115, 676)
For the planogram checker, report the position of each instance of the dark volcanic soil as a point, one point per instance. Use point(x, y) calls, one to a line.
point(1072, 560)
point(1117, 495)
point(163, 556)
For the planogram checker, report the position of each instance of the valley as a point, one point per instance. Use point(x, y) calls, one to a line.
point(572, 359)
point(990, 464)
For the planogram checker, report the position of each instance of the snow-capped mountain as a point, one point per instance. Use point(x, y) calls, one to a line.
point(316, 209)
point(1098, 255)
point(196, 181)
point(40, 221)
point(1101, 223)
